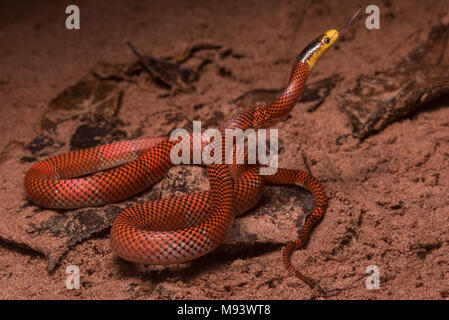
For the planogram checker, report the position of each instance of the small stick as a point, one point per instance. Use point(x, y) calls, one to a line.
point(149, 67)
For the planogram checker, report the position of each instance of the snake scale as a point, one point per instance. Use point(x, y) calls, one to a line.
point(179, 229)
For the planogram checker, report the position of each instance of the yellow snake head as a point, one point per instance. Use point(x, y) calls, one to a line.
point(315, 49)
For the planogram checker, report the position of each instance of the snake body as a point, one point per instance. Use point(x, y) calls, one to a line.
point(179, 229)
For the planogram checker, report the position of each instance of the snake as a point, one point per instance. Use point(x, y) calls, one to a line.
point(183, 228)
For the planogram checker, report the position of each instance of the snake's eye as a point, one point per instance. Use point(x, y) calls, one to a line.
point(326, 40)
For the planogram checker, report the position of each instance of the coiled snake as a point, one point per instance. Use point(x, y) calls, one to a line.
point(178, 229)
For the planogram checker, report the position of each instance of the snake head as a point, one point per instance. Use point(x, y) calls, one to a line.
point(315, 49)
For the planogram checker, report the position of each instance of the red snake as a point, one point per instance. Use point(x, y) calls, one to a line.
point(183, 228)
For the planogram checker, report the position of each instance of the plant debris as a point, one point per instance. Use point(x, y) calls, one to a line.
point(167, 73)
point(417, 81)
point(314, 94)
point(192, 48)
point(87, 95)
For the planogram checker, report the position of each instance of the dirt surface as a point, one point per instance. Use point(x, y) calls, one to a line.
point(388, 190)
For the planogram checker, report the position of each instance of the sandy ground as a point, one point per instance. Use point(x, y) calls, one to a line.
point(388, 203)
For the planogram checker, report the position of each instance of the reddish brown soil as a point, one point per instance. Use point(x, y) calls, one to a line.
point(388, 195)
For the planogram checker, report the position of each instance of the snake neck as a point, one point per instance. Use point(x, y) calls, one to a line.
point(265, 116)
